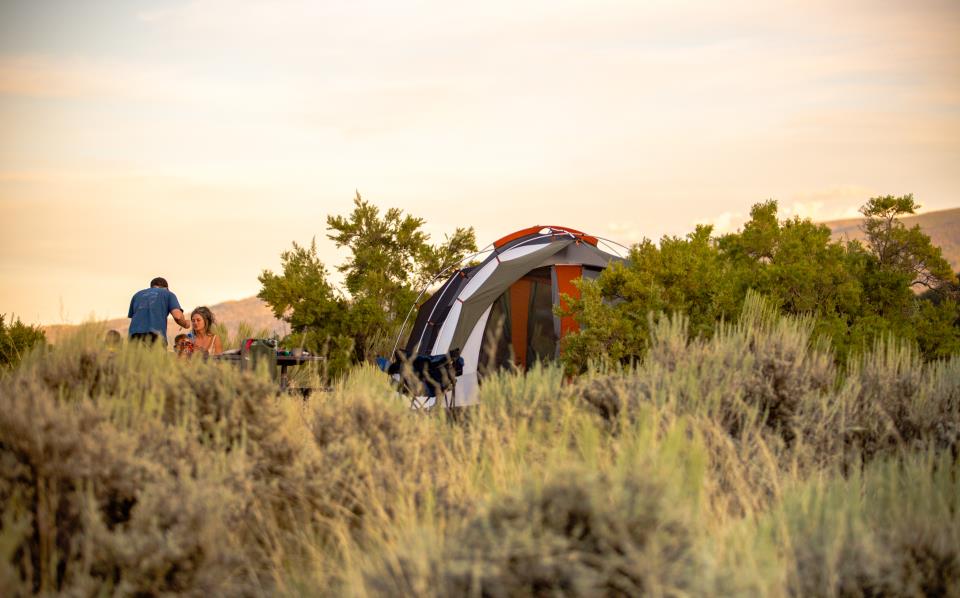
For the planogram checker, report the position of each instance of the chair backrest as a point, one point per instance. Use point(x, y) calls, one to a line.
point(259, 352)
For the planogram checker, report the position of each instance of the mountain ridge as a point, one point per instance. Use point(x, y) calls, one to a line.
point(942, 226)
point(251, 311)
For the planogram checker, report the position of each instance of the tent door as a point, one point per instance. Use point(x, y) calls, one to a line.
point(522, 327)
point(563, 276)
point(519, 310)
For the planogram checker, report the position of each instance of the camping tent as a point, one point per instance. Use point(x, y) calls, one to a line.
point(501, 311)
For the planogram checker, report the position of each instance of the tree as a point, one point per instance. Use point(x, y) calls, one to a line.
point(793, 263)
point(686, 275)
point(899, 260)
point(316, 311)
point(302, 295)
point(854, 293)
point(799, 269)
point(390, 261)
point(902, 250)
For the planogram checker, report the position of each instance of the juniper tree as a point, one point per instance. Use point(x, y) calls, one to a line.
point(390, 260)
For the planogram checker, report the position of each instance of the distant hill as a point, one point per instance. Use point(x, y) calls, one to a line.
point(250, 311)
point(943, 227)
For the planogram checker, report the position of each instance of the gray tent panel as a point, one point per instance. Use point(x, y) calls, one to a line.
point(582, 254)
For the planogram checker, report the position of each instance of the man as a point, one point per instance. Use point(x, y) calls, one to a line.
point(149, 309)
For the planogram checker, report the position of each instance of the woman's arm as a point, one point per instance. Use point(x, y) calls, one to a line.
point(216, 347)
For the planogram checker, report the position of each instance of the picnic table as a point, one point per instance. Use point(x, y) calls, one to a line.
point(284, 359)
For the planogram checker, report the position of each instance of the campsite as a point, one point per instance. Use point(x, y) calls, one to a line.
point(760, 458)
point(487, 300)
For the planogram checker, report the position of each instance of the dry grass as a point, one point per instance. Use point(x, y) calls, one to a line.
point(746, 464)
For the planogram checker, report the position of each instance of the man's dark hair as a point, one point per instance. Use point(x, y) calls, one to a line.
point(159, 282)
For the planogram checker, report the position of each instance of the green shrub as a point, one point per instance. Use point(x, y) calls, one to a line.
point(578, 534)
point(853, 294)
point(16, 339)
point(762, 369)
point(895, 531)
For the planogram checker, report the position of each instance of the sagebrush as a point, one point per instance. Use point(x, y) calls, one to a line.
point(745, 463)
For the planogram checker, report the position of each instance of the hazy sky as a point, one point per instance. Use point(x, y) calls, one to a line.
point(195, 140)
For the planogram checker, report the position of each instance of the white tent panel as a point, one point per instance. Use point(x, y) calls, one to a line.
point(468, 389)
point(518, 252)
point(446, 330)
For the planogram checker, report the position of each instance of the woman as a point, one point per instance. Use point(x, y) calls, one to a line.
point(204, 340)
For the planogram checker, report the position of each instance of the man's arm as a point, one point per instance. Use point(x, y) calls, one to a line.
point(176, 311)
point(130, 311)
point(179, 318)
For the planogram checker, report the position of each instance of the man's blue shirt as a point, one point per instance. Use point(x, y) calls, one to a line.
point(149, 309)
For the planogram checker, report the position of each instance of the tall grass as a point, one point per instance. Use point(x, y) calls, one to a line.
point(242, 332)
point(744, 464)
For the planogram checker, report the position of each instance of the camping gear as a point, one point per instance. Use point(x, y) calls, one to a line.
point(497, 314)
point(259, 352)
point(426, 377)
point(255, 353)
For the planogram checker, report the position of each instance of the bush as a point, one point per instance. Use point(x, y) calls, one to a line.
point(769, 400)
point(746, 463)
point(577, 534)
point(895, 531)
point(381, 462)
point(139, 472)
point(16, 339)
point(92, 506)
point(762, 370)
point(580, 534)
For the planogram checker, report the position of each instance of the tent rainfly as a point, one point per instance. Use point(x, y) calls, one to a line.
point(499, 313)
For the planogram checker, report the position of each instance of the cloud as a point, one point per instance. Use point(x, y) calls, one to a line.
point(727, 222)
point(833, 203)
point(625, 232)
point(838, 202)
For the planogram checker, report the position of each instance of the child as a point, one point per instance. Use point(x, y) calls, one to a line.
point(183, 345)
point(113, 340)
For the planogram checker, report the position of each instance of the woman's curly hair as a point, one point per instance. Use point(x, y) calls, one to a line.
point(207, 315)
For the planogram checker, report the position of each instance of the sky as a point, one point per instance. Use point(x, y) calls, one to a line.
point(197, 139)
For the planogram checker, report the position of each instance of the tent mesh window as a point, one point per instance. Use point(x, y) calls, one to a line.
point(541, 334)
point(520, 329)
point(497, 352)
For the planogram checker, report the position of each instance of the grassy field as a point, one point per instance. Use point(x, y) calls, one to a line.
point(743, 465)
